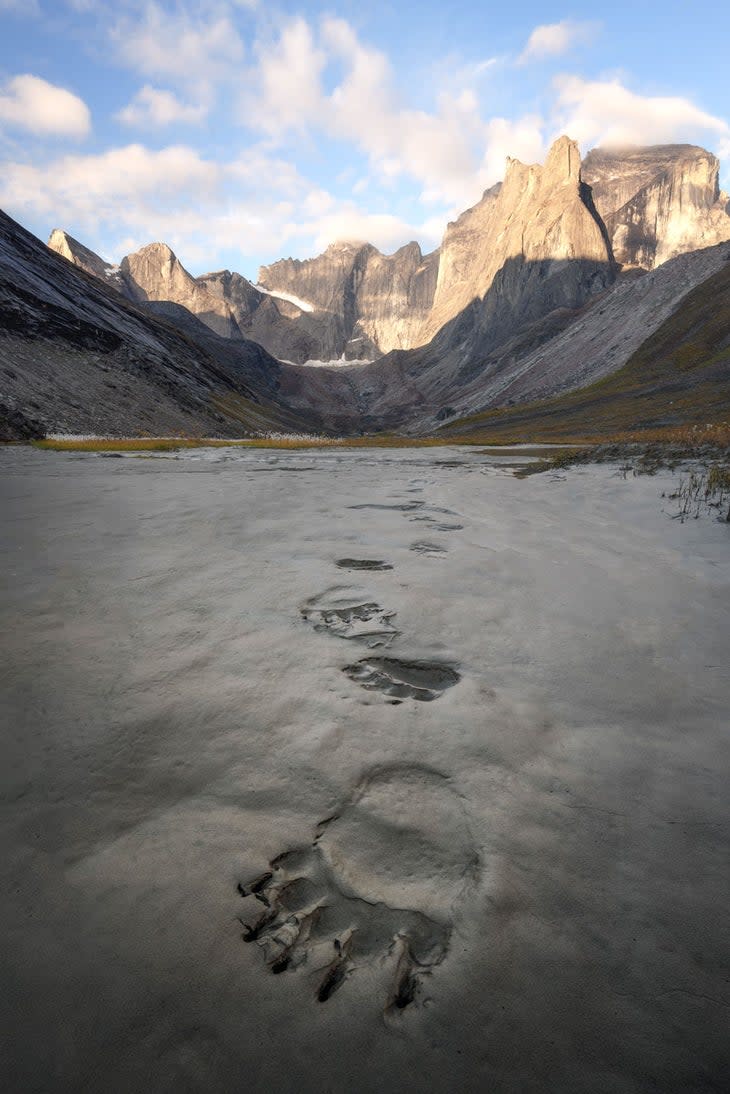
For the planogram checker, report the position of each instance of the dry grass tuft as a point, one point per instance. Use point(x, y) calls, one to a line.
point(704, 491)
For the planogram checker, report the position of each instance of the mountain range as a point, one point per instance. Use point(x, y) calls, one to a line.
point(552, 282)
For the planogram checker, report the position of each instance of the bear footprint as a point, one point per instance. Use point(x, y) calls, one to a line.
point(422, 680)
point(349, 612)
point(363, 564)
point(381, 884)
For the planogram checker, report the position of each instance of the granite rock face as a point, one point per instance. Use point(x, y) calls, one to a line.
point(395, 297)
point(69, 248)
point(156, 273)
point(383, 301)
point(537, 247)
point(658, 202)
point(539, 213)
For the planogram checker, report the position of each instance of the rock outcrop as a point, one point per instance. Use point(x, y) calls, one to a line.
point(382, 301)
point(77, 356)
point(658, 202)
point(524, 299)
point(538, 213)
point(156, 273)
point(64, 244)
point(395, 297)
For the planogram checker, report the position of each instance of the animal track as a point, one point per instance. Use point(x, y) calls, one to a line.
point(348, 613)
point(381, 883)
point(362, 564)
point(439, 526)
point(431, 550)
point(404, 507)
point(422, 680)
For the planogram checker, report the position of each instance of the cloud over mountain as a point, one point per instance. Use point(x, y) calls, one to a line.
point(30, 103)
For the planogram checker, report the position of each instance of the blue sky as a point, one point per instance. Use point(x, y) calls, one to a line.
point(240, 131)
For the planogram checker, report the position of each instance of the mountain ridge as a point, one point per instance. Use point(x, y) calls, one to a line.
point(524, 300)
point(352, 302)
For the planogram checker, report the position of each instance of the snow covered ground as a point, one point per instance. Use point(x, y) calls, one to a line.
point(338, 362)
point(483, 720)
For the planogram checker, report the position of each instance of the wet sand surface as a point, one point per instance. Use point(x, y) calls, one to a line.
point(358, 771)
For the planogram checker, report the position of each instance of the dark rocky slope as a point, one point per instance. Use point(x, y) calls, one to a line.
point(76, 356)
point(678, 376)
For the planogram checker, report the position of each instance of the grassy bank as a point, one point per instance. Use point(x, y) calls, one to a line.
point(684, 442)
point(173, 444)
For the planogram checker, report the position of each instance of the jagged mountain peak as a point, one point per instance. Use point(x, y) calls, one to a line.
point(541, 212)
point(638, 205)
point(151, 252)
point(563, 160)
point(658, 201)
point(69, 248)
point(562, 163)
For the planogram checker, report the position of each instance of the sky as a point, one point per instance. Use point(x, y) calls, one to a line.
point(242, 131)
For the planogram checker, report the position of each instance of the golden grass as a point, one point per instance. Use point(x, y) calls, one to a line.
point(688, 437)
point(675, 382)
point(125, 444)
point(172, 444)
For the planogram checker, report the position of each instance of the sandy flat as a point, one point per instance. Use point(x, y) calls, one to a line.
point(450, 749)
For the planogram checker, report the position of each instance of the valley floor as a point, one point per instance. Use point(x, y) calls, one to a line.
point(484, 720)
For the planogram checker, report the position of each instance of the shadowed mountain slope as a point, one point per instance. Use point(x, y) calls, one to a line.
point(76, 356)
point(524, 302)
point(679, 376)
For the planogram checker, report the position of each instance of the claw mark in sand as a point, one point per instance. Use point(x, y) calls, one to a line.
point(422, 680)
point(437, 526)
point(431, 550)
point(404, 507)
point(362, 564)
point(349, 613)
point(381, 884)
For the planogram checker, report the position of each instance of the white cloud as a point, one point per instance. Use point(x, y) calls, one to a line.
point(605, 112)
point(130, 196)
point(152, 107)
point(554, 39)
point(441, 149)
point(288, 80)
point(28, 102)
point(179, 46)
point(106, 186)
point(522, 139)
point(383, 230)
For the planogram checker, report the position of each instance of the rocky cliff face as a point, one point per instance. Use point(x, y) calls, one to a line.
point(69, 248)
point(658, 202)
point(539, 213)
point(155, 273)
point(77, 356)
point(543, 240)
point(383, 300)
point(395, 296)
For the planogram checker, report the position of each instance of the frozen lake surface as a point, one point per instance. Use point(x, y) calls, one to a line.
point(478, 726)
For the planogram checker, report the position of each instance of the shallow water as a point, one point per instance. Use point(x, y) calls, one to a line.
point(518, 885)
